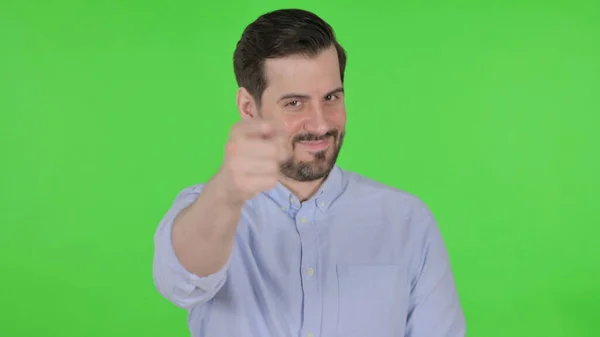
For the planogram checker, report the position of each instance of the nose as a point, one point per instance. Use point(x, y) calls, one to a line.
point(317, 121)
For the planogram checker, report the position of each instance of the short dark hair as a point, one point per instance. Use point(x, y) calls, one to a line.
point(277, 34)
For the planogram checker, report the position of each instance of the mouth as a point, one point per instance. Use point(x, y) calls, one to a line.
point(315, 145)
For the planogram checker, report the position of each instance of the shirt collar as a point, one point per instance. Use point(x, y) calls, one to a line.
point(329, 191)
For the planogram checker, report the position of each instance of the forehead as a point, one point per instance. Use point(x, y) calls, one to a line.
point(303, 74)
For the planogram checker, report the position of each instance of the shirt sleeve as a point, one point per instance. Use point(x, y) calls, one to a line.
point(435, 310)
point(171, 279)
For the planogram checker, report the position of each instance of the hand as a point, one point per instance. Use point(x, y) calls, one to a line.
point(254, 152)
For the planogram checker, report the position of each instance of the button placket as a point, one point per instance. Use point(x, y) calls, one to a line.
point(309, 264)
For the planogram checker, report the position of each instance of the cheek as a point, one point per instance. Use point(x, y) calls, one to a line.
point(338, 119)
point(293, 124)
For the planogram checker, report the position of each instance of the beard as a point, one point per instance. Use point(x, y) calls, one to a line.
point(321, 164)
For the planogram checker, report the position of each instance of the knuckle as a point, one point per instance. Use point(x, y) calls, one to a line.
point(273, 166)
point(272, 149)
point(235, 129)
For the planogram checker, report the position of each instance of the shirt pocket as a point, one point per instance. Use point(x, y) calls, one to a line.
point(368, 300)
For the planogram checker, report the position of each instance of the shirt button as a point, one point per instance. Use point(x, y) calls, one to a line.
point(310, 271)
point(322, 204)
point(310, 334)
point(303, 219)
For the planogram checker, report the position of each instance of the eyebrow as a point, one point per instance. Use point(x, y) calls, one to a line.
point(304, 96)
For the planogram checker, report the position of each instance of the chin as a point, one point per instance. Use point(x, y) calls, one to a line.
point(310, 166)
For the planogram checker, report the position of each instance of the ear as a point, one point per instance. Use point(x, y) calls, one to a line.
point(246, 104)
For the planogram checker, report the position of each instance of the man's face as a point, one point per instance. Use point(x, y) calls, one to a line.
point(305, 96)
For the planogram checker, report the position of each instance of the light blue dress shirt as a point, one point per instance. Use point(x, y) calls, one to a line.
point(358, 259)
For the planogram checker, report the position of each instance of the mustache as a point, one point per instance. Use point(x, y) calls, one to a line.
point(315, 137)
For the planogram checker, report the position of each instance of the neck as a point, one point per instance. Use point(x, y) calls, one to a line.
point(303, 190)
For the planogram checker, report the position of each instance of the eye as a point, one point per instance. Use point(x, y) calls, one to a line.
point(330, 97)
point(293, 104)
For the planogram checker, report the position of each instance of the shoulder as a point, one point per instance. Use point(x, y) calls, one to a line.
point(363, 188)
point(394, 205)
point(190, 191)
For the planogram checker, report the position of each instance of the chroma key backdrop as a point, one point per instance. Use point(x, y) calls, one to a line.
point(487, 110)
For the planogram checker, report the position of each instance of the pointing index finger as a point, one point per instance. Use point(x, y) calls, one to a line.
point(262, 129)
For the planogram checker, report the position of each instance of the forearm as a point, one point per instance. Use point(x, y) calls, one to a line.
point(203, 233)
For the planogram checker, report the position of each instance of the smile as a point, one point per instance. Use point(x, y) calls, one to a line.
point(315, 145)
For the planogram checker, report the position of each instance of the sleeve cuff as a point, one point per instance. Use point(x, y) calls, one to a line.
point(175, 280)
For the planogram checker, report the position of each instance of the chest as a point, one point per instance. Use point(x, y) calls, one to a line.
point(323, 274)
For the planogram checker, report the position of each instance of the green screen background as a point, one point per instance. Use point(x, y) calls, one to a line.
point(487, 111)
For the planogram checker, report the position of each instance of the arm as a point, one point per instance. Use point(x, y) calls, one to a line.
point(194, 241)
point(435, 310)
point(193, 244)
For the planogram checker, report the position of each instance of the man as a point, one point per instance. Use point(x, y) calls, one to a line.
point(281, 241)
